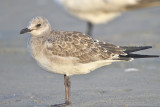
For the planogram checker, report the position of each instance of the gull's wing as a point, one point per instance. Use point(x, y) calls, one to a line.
point(80, 46)
point(143, 4)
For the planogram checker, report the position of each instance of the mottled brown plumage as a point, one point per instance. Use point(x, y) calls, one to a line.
point(81, 46)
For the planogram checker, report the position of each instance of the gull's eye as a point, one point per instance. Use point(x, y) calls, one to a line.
point(38, 25)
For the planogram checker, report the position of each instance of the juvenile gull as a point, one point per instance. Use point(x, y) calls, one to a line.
point(102, 11)
point(73, 53)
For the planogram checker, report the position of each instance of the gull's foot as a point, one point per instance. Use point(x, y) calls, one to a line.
point(61, 105)
point(68, 103)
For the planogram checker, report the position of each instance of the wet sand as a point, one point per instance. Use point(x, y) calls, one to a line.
point(24, 84)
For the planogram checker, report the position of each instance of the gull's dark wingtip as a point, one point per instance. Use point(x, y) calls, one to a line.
point(129, 49)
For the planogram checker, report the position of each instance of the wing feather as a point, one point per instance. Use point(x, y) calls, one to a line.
point(143, 4)
point(81, 46)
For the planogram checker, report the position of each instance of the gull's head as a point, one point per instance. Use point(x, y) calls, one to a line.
point(37, 26)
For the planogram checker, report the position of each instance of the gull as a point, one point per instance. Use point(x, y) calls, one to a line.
point(102, 11)
point(73, 53)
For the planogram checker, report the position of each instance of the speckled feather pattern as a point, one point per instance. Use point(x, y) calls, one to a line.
point(81, 46)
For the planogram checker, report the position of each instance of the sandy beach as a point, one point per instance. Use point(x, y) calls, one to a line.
point(126, 84)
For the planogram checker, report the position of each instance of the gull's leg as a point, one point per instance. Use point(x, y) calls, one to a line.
point(89, 28)
point(67, 89)
point(67, 84)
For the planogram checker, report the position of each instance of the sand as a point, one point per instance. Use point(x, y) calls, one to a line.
point(24, 84)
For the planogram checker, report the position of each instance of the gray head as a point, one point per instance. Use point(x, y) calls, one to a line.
point(37, 26)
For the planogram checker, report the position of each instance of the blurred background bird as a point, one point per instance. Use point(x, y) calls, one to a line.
point(102, 11)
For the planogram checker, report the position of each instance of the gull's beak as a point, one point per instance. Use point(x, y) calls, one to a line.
point(25, 30)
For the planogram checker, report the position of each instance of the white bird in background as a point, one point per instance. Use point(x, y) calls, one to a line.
point(102, 11)
point(73, 53)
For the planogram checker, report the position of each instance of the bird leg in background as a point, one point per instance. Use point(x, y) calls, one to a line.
point(89, 28)
point(67, 89)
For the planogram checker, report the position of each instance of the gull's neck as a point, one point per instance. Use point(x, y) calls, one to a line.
point(36, 42)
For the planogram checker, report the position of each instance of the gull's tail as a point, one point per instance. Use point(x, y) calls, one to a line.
point(139, 56)
point(131, 49)
point(144, 4)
